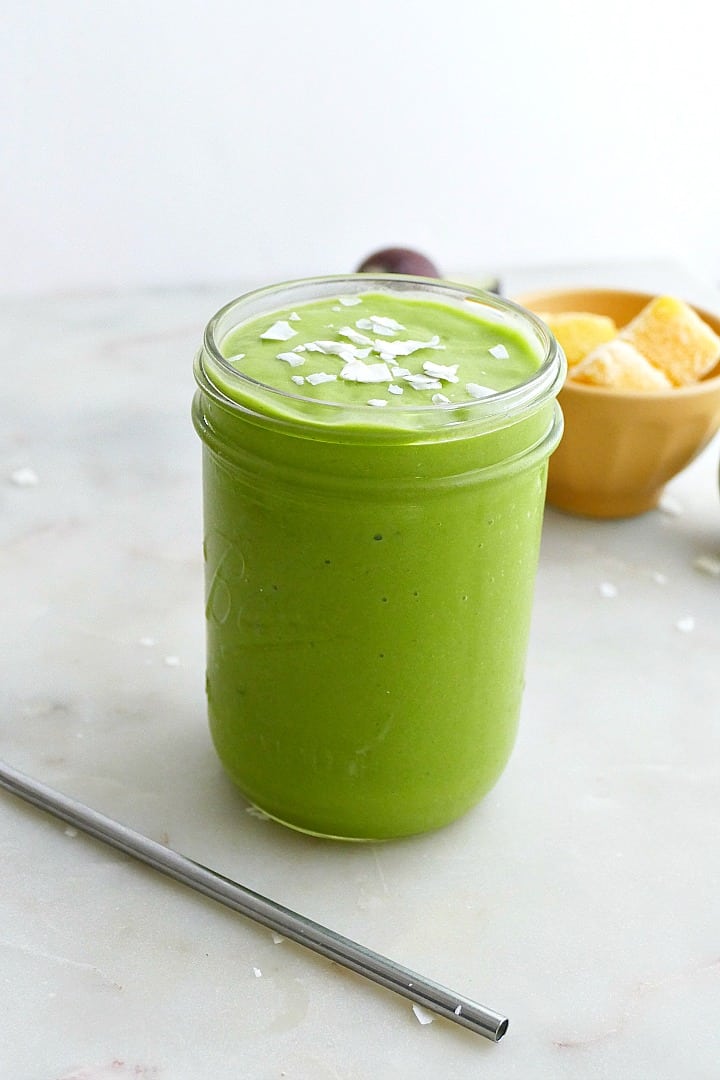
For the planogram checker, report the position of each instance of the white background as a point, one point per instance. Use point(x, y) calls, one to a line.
point(163, 142)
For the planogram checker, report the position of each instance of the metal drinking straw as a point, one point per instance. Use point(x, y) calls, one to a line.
point(439, 999)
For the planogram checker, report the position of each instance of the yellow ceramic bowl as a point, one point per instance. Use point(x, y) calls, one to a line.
point(620, 447)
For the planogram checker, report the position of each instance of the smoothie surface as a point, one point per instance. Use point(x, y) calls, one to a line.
point(382, 351)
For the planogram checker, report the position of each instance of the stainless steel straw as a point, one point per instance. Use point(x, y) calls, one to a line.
point(439, 999)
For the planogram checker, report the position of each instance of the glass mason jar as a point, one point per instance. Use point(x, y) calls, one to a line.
point(369, 584)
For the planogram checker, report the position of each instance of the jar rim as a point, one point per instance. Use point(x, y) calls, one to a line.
point(501, 407)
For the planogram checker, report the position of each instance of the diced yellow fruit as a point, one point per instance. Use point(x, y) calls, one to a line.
point(617, 364)
point(675, 339)
point(579, 332)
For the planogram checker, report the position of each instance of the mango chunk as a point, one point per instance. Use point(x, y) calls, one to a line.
point(579, 332)
point(619, 365)
point(675, 339)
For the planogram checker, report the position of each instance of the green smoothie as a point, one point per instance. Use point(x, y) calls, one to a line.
point(375, 455)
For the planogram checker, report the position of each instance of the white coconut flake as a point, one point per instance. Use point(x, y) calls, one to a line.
point(381, 325)
point(279, 331)
point(475, 390)
point(236, 356)
point(343, 349)
point(423, 382)
point(686, 624)
point(349, 301)
point(291, 358)
point(293, 317)
point(446, 372)
point(298, 379)
point(257, 972)
point(393, 388)
point(670, 506)
point(354, 335)
point(359, 372)
point(328, 348)
point(390, 349)
point(458, 1010)
point(401, 372)
point(499, 352)
point(298, 348)
point(24, 478)
point(440, 399)
point(422, 1015)
point(320, 377)
point(607, 590)
point(377, 402)
point(708, 564)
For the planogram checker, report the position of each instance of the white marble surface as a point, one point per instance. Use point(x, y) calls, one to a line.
point(581, 898)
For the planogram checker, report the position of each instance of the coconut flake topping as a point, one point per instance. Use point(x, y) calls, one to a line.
point(320, 377)
point(499, 352)
point(385, 327)
point(358, 372)
point(446, 372)
point(332, 348)
point(279, 331)
point(423, 382)
point(354, 335)
point(291, 358)
point(475, 390)
point(390, 349)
